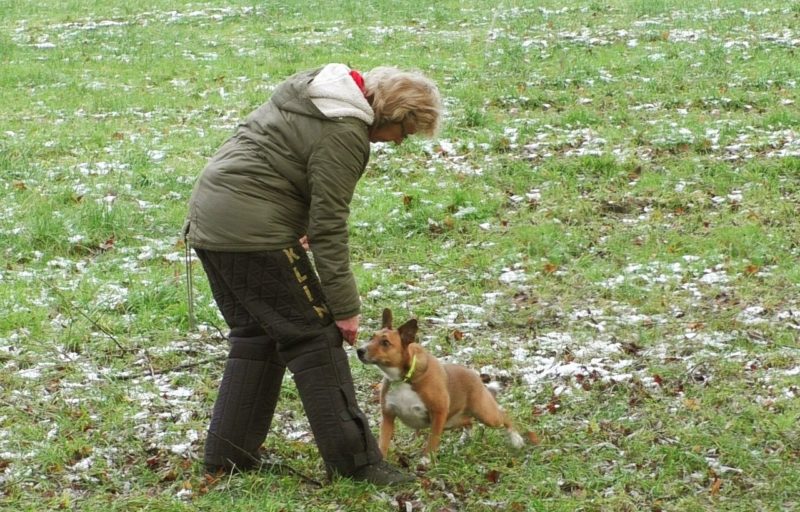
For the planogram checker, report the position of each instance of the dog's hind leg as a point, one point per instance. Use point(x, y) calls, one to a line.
point(490, 414)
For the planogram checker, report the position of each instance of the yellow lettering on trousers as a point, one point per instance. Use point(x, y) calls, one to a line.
point(308, 294)
point(300, 277)
point(321, 311)
point(291, 255)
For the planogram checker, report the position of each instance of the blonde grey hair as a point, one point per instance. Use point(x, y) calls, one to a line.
point(404, 97)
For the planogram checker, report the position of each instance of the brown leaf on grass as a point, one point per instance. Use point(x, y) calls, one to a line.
point(20, 185)
point(716, 485)
point(751, 270)
point(107, 245)
point(631, 348)
point(405, 499)
point(692, 404)
point(407, 200)
point(493, 476)
point(533, 438)
point(210, 479)
point(549, 268)
point(118, 136)
point(636, 173)
point(458, 335)
point(435, 228)
point(573, 488)
point(520, 297)
point(79, 454)
point(658, 380)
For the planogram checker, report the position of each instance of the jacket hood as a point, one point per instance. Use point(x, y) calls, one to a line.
point(324, 93)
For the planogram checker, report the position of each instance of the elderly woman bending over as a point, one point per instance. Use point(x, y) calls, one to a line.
point(282, 184)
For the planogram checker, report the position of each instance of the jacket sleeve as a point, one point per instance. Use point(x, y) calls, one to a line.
point(334, 169)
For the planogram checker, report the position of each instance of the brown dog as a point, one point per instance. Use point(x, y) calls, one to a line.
point(422, 392)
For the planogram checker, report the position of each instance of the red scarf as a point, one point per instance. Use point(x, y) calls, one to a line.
point(359, 80)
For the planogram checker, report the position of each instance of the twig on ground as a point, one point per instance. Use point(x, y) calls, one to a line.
point(154, 372)
point(69, 305)
point(269, 466)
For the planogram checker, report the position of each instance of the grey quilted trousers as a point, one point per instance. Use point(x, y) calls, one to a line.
point(274, 306)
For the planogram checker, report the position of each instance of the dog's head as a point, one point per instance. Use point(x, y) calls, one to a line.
point(388, 347)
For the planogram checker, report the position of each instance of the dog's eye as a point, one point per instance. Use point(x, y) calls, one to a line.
point(385, 343)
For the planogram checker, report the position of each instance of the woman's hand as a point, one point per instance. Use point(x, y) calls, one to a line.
point(349, 328)
point(304, 242)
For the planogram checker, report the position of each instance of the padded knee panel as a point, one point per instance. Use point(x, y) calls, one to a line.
point(245, 404)
point(341, 430)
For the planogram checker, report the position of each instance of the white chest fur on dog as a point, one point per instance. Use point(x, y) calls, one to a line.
point(404, 402)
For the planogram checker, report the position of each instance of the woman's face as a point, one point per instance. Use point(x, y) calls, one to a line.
point(391, 132)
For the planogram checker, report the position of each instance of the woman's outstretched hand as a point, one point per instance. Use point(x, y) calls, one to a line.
point(349, 328)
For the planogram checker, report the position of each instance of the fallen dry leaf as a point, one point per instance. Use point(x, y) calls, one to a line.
point(716, 485)
point(751, 269)
point(692, 404)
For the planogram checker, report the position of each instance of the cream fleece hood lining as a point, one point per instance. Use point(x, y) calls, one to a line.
point(334, 92)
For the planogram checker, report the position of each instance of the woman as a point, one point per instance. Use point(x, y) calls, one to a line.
point(280, 185)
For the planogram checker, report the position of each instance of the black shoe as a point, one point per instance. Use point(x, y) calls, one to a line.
point(381, 473)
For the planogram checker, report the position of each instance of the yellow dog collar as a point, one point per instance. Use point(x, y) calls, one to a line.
point(411, 370)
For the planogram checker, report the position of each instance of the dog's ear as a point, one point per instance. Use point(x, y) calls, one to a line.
point(408, 332)
point(386, 320)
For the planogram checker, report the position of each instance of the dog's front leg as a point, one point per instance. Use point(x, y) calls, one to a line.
point(438, 420)
point(387, 432)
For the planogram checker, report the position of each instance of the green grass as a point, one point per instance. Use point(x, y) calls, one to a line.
point(607, 225)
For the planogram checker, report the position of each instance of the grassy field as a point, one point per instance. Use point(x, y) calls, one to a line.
point(608, 225)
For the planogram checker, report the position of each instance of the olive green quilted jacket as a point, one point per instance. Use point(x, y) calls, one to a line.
point(287, 171)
